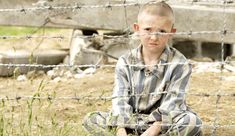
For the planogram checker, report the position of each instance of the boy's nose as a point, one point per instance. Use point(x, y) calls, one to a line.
point(155, 36)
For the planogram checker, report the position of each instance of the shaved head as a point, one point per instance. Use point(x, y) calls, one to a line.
point(157, 8)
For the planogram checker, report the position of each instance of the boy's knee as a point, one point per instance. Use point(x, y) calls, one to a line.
point(89, 121)
point(95, 123)
point(86, 119)
point(95, 118)
point(89, 118)
point(189, 124)
point(193, 120)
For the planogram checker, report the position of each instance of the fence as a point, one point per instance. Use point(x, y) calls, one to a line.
point(52, 97)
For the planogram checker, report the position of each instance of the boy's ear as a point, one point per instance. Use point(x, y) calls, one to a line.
point(173, 30)
point(136, 27)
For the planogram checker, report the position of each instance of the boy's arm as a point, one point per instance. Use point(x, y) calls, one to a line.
point(121, 109)
point(121, 132)
point(173, 103)
point(154, 130)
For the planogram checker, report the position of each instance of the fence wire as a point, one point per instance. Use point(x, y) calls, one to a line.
point(77, 6)
point(128, 36)
point(61, 124)
point(108, 98)
point(111, 65)
point(223, 32)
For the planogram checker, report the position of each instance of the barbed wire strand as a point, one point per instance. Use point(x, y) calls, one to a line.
point(77, 6)
point(38, 123)
point(215, 123)
point(61, 124)
point(218, 95)
point(108, 98)
point(61, 36)
point(9, 65)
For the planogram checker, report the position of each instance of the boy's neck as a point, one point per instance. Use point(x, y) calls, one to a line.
point(151, 58)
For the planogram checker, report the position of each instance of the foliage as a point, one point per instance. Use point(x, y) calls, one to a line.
point(16, 31)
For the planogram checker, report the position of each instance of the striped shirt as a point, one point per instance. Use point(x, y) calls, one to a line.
point(142, 96)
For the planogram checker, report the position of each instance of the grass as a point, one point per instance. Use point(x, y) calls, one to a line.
point(39, 117)
point(18, 40)
point(17, 31)
point(48, 117)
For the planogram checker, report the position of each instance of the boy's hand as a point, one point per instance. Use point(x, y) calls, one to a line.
point(121, 132)
point(154, 130)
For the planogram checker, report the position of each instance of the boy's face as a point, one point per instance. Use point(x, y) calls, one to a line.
point(148, 24)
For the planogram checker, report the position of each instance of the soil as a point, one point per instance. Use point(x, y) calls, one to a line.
point(59, 106)
point(67, 99)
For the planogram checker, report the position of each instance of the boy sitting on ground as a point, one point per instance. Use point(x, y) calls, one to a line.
point(150, 83)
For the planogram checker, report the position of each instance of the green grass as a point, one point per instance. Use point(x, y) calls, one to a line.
point(15, 31)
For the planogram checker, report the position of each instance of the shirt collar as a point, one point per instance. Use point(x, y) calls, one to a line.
point(139, 62)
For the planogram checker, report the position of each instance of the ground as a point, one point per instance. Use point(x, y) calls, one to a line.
point(62, 116)
point(66, 100)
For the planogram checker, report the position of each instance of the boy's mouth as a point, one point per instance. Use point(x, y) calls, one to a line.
point(153, 44)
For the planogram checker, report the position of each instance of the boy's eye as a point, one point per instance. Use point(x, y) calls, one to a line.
point(147, 29)
point(162, 31)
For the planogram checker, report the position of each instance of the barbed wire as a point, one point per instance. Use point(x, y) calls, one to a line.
point(80, 66)
point(113, 65)
point(108, 98)
point(27, 37)
point(61, 124)
point(215, 122)
point(205, 1)
point(202, 125)
point(74, 7)
point(61, 37)
point(218, 95)
point(78, 6)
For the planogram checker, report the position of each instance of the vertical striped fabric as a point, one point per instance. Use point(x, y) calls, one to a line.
point(158, 94)
point(141, 97)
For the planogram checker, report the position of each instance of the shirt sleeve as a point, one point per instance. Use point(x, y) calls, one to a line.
point(121, 113)
point(173, 103)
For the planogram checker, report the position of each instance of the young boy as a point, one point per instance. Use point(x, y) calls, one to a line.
point(150, 82)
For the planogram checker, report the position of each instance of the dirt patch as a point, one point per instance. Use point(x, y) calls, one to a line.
point(66, 100)
point(58, 113)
